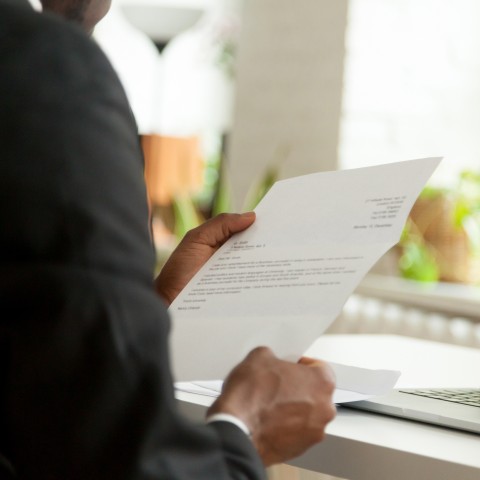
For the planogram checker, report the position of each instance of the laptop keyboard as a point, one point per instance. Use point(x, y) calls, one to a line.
point(465, 396)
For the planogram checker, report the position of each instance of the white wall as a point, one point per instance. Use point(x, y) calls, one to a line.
point(289, 89)
point(412, 84)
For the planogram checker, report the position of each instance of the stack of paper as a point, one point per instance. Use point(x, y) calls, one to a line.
point(352, 384)
point(283, 281)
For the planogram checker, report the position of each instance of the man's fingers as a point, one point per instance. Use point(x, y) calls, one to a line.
point(219, 229)
point(327, 370)
point(308, 361)
point(229, 223)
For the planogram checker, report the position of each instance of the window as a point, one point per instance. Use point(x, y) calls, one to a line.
point(411, 84)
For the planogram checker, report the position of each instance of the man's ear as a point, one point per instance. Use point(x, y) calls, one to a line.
point(86, 13)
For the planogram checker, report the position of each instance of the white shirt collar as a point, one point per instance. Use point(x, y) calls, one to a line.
point(36, 5)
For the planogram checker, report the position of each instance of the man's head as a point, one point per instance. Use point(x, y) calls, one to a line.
point(85, 12)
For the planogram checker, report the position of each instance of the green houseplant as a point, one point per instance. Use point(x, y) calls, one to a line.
point(441, 240)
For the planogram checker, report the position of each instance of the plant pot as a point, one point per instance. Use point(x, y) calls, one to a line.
point(433, 219)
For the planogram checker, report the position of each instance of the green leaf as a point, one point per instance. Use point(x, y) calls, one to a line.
point(461, 211)
point(432, 192)
point(418, 263)
point(186, 215)
point(260, 190)
point(222, 201)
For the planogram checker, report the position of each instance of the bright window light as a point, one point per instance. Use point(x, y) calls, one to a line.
point(412, 86)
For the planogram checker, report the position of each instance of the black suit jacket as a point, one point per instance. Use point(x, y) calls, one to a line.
point(86, 390)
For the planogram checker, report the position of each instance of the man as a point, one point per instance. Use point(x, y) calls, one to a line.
point(86, 389)
point(87, 13)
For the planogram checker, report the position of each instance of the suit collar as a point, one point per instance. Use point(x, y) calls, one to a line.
point(18, 3)
point(36, 4)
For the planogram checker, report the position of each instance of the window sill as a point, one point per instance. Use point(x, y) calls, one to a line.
point(454, 299)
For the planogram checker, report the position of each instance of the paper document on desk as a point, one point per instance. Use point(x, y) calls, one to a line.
point(283, 281)
point(352, 384)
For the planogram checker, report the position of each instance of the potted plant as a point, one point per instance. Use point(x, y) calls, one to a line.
point(441, 240)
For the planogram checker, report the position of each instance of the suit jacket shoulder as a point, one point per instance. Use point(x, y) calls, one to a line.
point(85, 383)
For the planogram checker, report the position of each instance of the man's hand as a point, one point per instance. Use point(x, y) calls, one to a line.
point(195, 249)
point(285, 405)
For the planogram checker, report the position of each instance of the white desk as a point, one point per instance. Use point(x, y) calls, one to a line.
point(365, 446)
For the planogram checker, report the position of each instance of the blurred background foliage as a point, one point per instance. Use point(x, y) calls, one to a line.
point(441, 239)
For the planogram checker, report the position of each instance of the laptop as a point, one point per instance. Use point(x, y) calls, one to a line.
point(457, 408)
